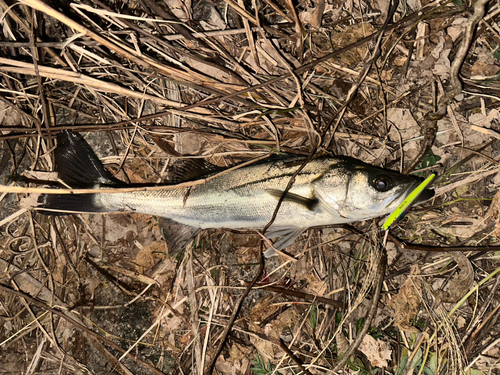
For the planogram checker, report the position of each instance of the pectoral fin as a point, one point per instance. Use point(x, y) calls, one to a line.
point(177, 236)
point(308, 203)
point(288, 236)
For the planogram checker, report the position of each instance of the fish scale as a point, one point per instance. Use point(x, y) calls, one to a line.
point(231, 200)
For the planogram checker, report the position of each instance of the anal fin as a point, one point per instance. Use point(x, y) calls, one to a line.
point(176, 235)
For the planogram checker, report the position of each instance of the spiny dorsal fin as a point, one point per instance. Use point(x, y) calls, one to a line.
point(308, 203)
point(189, 170)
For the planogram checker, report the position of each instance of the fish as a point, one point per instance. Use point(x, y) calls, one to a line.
point(327, 190)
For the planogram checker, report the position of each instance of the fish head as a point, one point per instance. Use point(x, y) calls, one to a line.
point(357, 191)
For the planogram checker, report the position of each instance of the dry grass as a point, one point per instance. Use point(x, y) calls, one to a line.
point(233, 81)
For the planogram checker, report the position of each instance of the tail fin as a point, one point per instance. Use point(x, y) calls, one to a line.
point(78, 166)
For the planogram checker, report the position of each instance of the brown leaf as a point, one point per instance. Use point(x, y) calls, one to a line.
point(378, 352)
point(494, 213)
point(407, 302)
point(146, 257)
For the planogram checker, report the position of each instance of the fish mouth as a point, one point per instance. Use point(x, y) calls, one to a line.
point(423, 196)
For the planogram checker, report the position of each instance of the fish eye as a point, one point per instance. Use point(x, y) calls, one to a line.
point(382, 183)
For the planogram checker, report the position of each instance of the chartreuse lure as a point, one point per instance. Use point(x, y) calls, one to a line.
point(407, 203)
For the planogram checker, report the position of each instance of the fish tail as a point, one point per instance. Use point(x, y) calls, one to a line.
point(79, 167)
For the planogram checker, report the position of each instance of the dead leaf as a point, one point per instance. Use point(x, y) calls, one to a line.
point(282, 323)
point(457, 28)
point(477, 135)
point(317, 14)
point(461, 282)
point(261, 311)
point(223, 366)
point(235, 353)
point(212, 19)
point(378, 352)
point(243, 239)
point(137, 171)
point(246, 255)
point(381, 5)
point(29, 201)
point(91, 284)
point(318, 287)
point(265, 348)
point(404, 121)
point(482, 70)
point(494, 213)
point(349, 35)
point(441, 53)
point(386, 75)
point(8, 116)
point(414, 4)
point(466, 226)
point(145, 259)
point(479, 119)
point(306, 16)
point(406, 303)
point(407, 128)
point(400, 60)
point(178, 8)
point(41, 175)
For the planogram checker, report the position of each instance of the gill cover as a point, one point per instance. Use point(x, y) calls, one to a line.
point(358, 191)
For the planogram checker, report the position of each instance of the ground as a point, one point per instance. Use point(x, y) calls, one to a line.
point(411, 87)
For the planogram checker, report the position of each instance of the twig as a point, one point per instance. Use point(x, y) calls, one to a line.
point(210, 367)
point(41, 90)
point(405, 246)
point(241, 11)
point(351, 95)
point(21, 67)
point(79, 325)
point(293, 357)
point(128, 53)
point(171, 37)
point(479, 317)
point(426, 13)
point(23, 26)
point(194, 311)
point(377, 285)
point(429, 124)
point(295, 293)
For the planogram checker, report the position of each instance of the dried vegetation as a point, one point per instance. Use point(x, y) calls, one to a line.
point(155, 81)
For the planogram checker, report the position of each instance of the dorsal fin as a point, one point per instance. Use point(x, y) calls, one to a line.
point(189, 170)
